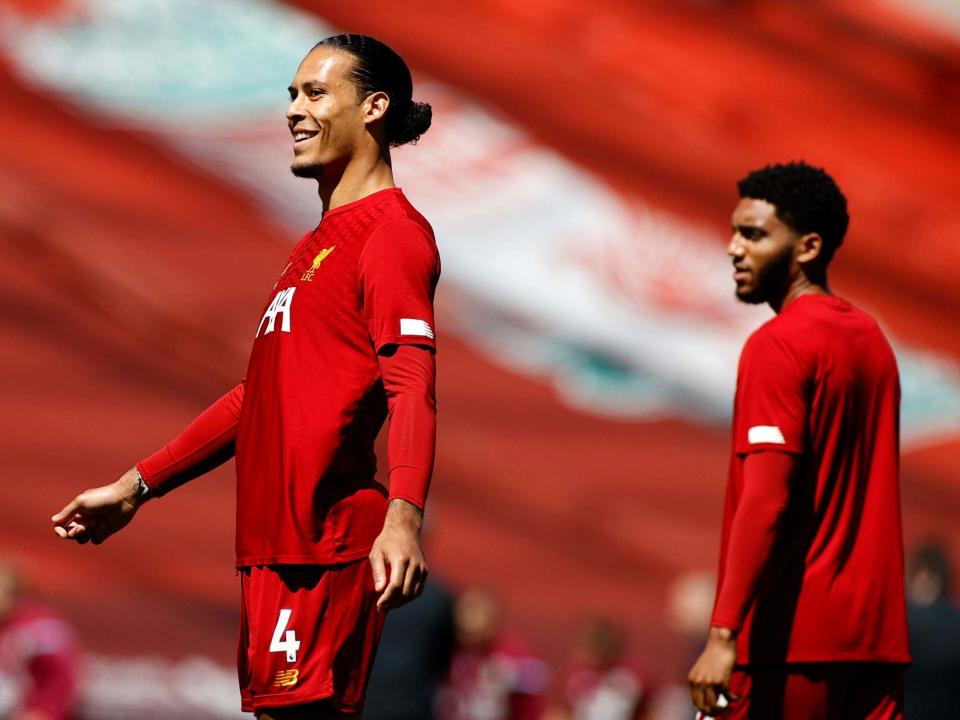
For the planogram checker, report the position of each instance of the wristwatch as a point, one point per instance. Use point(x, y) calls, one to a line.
point(143, 490)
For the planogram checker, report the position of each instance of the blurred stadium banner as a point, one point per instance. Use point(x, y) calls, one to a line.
point(579, 176)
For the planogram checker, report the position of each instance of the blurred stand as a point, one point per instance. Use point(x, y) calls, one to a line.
point(600, 684)
point(39, 656)
point(688, 611)
point(932, 679)
point(493, 676)
point(414, 657)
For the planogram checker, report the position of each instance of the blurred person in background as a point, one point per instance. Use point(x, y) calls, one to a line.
point(414, 656)
point(810, 616)
point(346, 339)
point(493, 676)
point(934, 676)
point(600, 684)
point(39, 656)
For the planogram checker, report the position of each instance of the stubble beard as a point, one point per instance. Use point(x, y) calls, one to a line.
point(771, 280)
point(311, 170)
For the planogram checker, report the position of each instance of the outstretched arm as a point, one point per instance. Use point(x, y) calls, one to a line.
point(766, 490)
point(208, 441)
point(408, 378)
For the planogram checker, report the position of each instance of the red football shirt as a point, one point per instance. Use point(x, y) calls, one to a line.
point(820, 380)
point(313, 400)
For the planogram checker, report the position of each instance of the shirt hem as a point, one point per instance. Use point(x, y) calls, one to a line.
point(297, 559)
point(265, 701)
point(821, 657)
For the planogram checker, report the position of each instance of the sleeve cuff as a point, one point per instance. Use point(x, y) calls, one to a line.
point(421, 340)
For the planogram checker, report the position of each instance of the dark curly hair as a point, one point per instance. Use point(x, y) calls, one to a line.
point(379, 69)
point(806, 197)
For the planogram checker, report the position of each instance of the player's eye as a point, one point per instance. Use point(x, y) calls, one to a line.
point(316, 92)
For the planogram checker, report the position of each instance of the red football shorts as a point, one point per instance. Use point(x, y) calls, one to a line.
point(307, 633)
point(818, 691)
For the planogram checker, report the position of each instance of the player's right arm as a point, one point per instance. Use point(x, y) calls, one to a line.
point(770, 421)
point(207, 442)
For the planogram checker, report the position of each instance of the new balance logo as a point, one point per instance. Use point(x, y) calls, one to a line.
point(280, 306)
point(287, 678)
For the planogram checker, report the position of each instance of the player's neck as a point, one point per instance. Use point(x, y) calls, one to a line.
point(801, 285)
point(362, 176)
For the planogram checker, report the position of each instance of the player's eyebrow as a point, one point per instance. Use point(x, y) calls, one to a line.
point(292, 89)
point(744, 228)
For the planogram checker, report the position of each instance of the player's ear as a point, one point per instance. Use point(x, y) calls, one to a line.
point(809, 248)
point(375, 106)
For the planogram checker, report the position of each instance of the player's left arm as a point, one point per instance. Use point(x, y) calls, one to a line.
point(767, 477)
point(408, 373)
point(399, 268)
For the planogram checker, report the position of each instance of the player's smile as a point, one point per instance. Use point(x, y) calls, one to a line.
point(302, 136)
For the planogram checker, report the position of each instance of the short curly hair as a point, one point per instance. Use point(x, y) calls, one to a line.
point(806, 197)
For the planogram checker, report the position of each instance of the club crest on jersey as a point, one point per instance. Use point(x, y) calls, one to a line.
point(317, 261)
point(279, 306)
point(287, 678)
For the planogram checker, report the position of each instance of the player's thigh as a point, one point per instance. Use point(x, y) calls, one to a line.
point(875, 692)
point(311, 636)
point(819, 691)
point(778, 692)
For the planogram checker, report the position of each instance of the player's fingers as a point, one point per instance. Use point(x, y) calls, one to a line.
point(709, 699)
point(67, 512)
point(78, 531)
point(420, 583)
point(398, 570)
point(386, 599)
point(379, 571)
point(99, 534)
point(696, 694)
point(410, 580)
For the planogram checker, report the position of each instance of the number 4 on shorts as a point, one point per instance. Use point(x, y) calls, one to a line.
point(289, 644)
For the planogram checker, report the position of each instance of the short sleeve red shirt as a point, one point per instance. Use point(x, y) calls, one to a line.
point(820, 381)
point(314, 400)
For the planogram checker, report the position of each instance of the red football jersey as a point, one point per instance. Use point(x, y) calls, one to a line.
point(820, 380)
point(313, 400)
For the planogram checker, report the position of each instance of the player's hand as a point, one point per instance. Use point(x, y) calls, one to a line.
point(710, 675)
point(397, 551)
point(95, 514)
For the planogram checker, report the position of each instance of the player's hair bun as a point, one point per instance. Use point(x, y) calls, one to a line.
point(411, 125)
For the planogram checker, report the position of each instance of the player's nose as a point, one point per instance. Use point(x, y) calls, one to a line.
point(735, 248)
point(295, 111)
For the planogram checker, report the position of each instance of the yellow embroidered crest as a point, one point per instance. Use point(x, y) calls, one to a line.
point(321, 256)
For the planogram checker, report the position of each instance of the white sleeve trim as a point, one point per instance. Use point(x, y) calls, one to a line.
point(410, 326)
point(765, 434)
